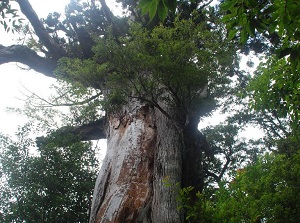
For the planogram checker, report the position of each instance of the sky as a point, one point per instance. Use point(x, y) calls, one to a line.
point(14, 79)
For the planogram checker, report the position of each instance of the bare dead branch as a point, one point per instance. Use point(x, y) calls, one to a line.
point(46, 103)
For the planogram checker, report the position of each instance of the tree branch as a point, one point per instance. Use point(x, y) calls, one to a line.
point(46, 103)
point(108, 14)
point(85, 40)
point(54, 49)
point(92, 131)
point(219, 177)
point(22, 54)
point(111, 20)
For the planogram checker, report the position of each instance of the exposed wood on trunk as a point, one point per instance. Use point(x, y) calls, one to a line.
point(149, 159)
point(127, 168)
point(131, 186)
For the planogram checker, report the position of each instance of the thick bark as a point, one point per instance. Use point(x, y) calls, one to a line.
point(137, 181)
point(168, 170)
point(22, 54)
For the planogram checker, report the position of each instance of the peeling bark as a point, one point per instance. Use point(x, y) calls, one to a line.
point(143, 155)
point(124, 184)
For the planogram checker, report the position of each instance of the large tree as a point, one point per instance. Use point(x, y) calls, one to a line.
point(154, 80)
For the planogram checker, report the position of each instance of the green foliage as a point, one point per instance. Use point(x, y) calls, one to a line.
point(171, 64)
point(164, 9)
point(9, 17)
point(157, 7)
point(248, 18)
point(231, 151)
point(200, 211)
point(275, 87)
point(266, 191)
point(82, 73)
point(52, 185)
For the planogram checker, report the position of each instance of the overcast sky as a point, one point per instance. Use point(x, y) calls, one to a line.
point(13, 78)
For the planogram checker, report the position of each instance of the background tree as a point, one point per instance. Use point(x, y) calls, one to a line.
point(271, 26)
point(264, 191)
point(271, 98)
point(51, 184)
point(10, 19)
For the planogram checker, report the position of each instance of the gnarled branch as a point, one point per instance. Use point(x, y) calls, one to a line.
point(22, 54)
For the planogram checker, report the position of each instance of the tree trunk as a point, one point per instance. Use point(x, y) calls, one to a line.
point(137, 181)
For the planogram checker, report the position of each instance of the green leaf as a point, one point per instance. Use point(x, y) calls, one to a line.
point(228, 5)
point(162, 11)
point(272, 27)
point(244, 36)
point(144, 4)
point(271, 9)
point(153, 8)
point(253, 3)
point(252, 26)
point(171, 4)
point(232, 33)
point(5, 25)
point(227, 18)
